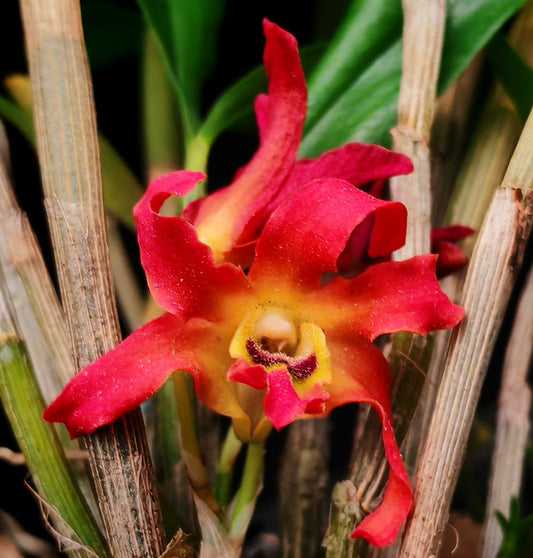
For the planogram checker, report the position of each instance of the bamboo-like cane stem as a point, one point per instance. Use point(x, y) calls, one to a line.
point(422, 46)
point(68, 155)
point(303, 483)
point(423, 34)
point(512, 425)
point(491, 146)
point(37, 310)
point(491, 275)
point(450, 134)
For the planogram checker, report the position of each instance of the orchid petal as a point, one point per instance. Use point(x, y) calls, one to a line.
point(361, 374)
point(180, 270)
point(253, 375)
point(224, 218)
point(451, 233)
point(134, 370)
point(261, 116)
point(124, 377)
point(282, 403)
point(358, 163)
point(306, 234)
point(387, 297)
point(451, 257)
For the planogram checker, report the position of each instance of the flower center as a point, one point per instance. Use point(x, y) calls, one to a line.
point(275, 332)
point(280, 361)
point(298, 368)
point(274, 338)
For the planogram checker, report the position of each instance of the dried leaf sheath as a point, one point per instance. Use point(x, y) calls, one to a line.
point(423, 33)
point(68, 156)
point(491, 275)
point(513, 425)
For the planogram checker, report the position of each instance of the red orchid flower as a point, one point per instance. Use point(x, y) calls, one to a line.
point(289, 339)
point(443, 243)
point(230, 219)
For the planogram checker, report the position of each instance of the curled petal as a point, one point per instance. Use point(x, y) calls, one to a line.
point(387, 297)
point(283, 404)
point(381, 526)
point(249, 384)
point(253, 375)
point(451, 257)
point(123, 378)
point(358, 163)
point(224, 219)
point(180, 270)
point(306, 234)
point(361, 374)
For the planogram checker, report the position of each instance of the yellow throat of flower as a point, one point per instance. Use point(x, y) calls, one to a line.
point(277, 338)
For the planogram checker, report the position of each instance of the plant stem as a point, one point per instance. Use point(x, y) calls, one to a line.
point(250, 483)
point(62, 504)
point(67, 145)
point(492, 143)
point(35, 304)
point(512, 423)
point(121, 189)
point(450, 132)
point(422, 46)
point(161, 125)
point(230, 449)
point(489, 280)
point(304, 488)
point(422, 36)
point(190, 450)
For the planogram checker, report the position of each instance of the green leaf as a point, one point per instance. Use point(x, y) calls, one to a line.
point(44, 454)
point(364, 112)
point(517, 533)
point(368, 30)
point(187, 32)
point(111, 31)
point(514, 74)
point(469, 27)
point(234, 104)
point(353, 92)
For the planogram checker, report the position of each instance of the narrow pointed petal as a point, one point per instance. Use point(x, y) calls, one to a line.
point(306, 234)
point(361, 374)
point(121, 379)
point(180, 270)
point(381, 527)
point(387, 297)
point(224, 218)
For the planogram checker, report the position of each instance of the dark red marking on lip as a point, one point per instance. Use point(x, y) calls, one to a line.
point(298, 368)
